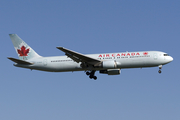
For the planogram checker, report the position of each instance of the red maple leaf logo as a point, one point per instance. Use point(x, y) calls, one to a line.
point(145, 53)
point(23, 51)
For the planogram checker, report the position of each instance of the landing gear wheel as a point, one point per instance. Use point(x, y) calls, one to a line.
point(91, 74)
point(90, 77)
point(159, 71)
point(95, 77)
point(87, 73)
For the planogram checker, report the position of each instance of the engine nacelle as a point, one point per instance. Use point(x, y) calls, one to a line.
point(109, 64)
point(84, 65)
point(111, 71)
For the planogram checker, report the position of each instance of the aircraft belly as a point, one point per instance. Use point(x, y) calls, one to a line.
point(53, 67)
point(137, 63)
point(67, 66)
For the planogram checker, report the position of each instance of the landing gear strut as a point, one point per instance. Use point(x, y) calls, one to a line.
point(160, 67)
point(91, 74)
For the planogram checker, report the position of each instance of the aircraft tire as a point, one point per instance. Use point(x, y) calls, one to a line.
point(95, 77)
point(90, 77)
point(87, 73)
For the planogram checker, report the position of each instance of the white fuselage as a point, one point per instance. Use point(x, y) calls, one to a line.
point(122, 60)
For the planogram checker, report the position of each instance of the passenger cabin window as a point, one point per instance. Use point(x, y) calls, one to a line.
point(166, 55)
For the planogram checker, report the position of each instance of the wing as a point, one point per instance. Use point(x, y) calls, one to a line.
point(20, 61)
point(78, 57)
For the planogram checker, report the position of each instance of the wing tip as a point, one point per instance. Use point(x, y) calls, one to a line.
point(59, 47)
point(12, 34)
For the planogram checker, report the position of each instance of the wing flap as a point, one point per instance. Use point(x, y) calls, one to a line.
point(20, 61)
point(78, 57)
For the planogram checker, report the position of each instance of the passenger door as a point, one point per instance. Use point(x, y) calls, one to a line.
point(155, 56)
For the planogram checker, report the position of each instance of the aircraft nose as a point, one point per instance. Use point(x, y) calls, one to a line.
point(171, 58)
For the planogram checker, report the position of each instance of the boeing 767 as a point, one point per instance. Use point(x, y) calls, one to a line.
point(106, 63)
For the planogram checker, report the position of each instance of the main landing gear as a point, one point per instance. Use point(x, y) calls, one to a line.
point(91, 74)
point(160, 67)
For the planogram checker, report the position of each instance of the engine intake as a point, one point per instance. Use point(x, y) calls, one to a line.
point(110, 71)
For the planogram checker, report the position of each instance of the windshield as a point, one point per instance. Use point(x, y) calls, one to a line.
point(166, 55)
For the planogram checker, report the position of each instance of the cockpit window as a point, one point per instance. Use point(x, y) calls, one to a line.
point(166, 55)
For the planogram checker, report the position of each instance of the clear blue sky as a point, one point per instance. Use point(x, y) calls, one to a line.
point(90, 27)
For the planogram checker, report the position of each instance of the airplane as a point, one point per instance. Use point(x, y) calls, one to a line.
point(105, 63)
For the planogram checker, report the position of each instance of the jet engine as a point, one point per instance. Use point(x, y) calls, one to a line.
point(110, 71)
point(109, 64)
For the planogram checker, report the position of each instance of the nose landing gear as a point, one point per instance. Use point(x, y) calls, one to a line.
point(160, 67)
point(91, 74)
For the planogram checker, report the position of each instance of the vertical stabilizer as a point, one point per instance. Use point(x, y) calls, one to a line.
point(23, 50)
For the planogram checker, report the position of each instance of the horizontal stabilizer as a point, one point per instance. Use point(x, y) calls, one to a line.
point(20, 61)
